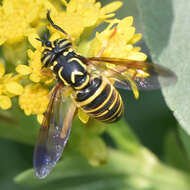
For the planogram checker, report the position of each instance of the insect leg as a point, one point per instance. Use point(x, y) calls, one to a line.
point(107, 42)
point(46, 72)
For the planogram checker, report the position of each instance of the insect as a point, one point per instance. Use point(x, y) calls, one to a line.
point(91, 86)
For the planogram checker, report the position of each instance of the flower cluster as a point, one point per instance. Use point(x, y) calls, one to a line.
point(22, 21)
point(79, 18)
point(9, 87)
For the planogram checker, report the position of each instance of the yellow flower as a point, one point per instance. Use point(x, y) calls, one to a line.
point(35, 65)
point(35, 58)
point(9, 87)
point(78, 19)
point(119, 42)
point(22, 21)
point(83, 14)
point(18, 18)
point(34, 100)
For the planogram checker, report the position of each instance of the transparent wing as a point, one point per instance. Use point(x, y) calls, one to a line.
point(54, 132)
point(154, 77)
point(118, 61)
point(127, 73)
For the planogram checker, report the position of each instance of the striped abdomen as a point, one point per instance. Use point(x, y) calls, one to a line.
point(100, 100)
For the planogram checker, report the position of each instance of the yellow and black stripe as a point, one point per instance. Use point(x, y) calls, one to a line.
point(101, 100)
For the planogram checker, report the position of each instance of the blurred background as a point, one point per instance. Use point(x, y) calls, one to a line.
point(149, 142)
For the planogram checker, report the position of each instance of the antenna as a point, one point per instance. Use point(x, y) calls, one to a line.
point(54, 25)
point(58, 28)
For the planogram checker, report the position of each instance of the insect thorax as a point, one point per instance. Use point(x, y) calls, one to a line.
point(69, 67)
point(54, 49)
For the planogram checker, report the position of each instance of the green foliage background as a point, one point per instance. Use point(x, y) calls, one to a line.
point(149, 148)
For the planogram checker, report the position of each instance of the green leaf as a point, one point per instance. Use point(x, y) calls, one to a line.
point(15, 157)
point(174, 153)
point(85, 138)
point(15, 125)
point(95, 150)
point(185, 138)
point(121, 172)
point(123, 136)
point(166, 32)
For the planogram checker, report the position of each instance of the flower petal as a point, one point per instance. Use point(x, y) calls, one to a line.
point(35, 77)
point(32, 39)
point(23, 69)
point(111, 7)
point(125, 23)
point(138, 56)
point(136, 38)
point(2, 69)
point(14, 88)
point(5, 102)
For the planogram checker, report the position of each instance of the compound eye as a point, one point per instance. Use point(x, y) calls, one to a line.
point(55, 42)
point(48, 43)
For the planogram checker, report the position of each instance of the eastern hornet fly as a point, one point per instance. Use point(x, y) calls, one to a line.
point(92, 87)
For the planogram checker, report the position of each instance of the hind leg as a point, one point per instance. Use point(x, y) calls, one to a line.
point(107, 42)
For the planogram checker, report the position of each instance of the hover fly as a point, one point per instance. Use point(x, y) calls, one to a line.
point(92, 88)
